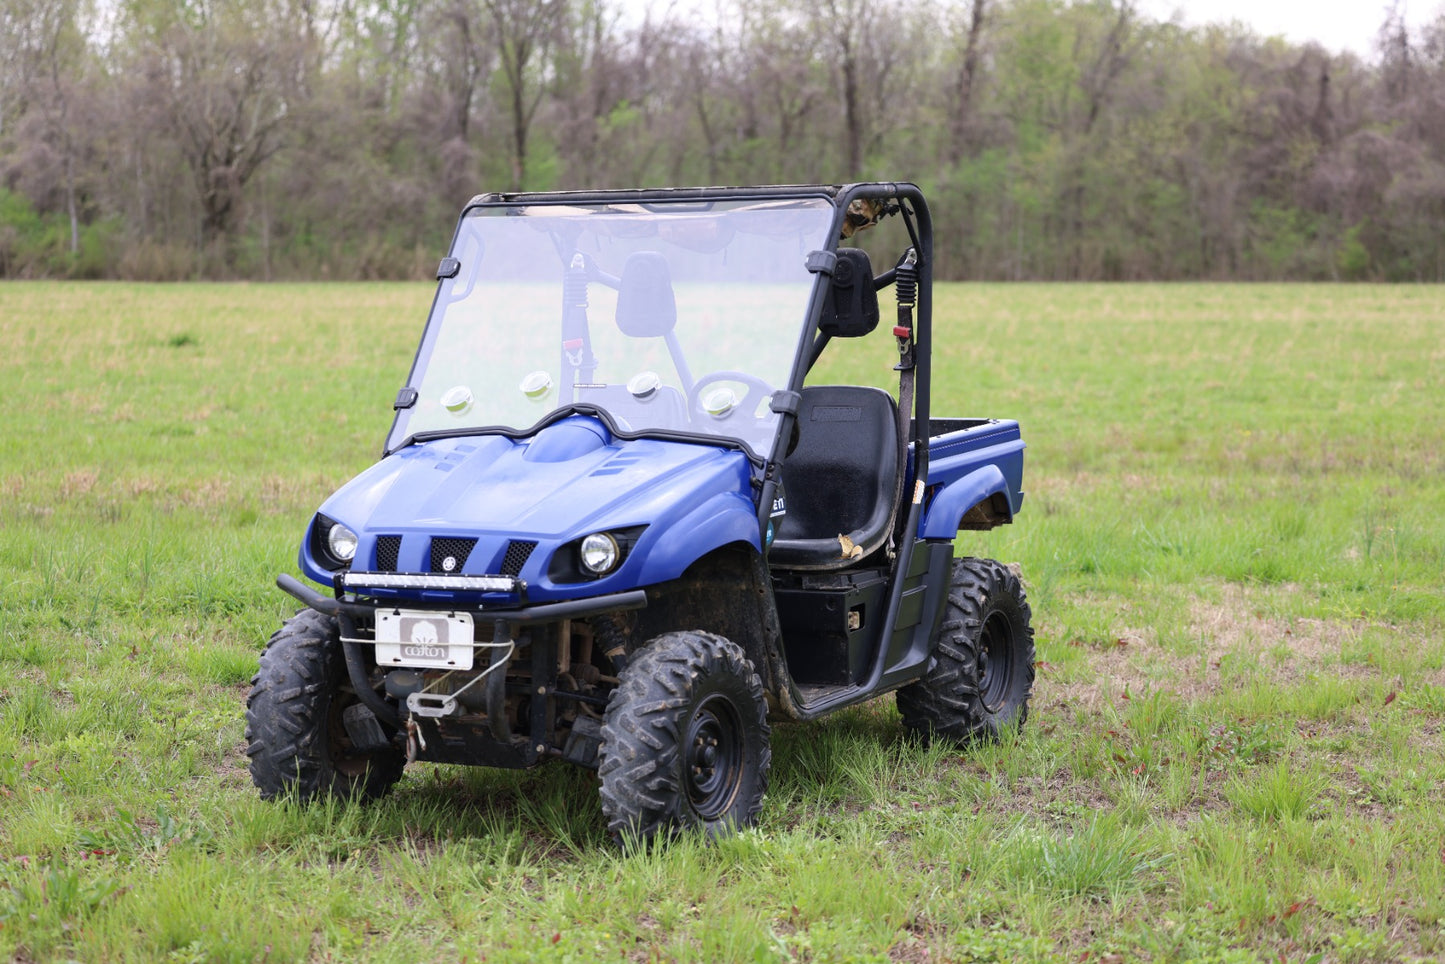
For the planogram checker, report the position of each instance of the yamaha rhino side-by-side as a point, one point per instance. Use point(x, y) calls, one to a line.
point(616, 522)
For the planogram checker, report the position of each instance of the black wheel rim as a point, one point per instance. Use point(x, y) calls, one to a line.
point(995, 662)
point(714, 757)
point(344, 758)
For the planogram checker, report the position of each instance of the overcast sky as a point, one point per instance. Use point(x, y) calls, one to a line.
point(1336, 24)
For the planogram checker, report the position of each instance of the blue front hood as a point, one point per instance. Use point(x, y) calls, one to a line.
point(570, 479)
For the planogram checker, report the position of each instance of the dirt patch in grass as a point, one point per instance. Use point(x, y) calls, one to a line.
point(1111, 671)
point(234, 770)
point(1226, 639)
point(1235, 625)
point(1240, 621)
point(915, 943)
point(78, 483)
point(1055, 798)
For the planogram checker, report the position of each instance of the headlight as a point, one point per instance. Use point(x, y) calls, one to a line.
point(599, 553)
point(342, 542)
point(594, 556)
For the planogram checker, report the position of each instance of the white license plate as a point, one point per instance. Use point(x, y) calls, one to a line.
point(414, 638)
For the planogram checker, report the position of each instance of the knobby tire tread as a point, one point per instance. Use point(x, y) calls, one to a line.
point(946, 702)
point(643, 796)
point(289, 716)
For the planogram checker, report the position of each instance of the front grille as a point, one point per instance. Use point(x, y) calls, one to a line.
point(455, 549)
point(518, 552)
point(387, 549)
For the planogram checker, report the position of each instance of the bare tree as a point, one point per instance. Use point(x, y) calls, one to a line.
point(459, 41)
point(524, 33)
point(967, 79)
point(1059, 138)
point(227, 75)
point(47, 73)
point(847, 24)
point(590, 79)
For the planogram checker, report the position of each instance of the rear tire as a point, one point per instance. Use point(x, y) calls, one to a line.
point(295, 735)
point(982, 672)
point(684, 741)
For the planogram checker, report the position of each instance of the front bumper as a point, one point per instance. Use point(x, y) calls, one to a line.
point(446, 739)
point(539, 613)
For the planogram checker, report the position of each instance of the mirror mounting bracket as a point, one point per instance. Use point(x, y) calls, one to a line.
point(821, 262)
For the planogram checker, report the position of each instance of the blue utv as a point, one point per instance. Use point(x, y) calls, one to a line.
point(616, 522)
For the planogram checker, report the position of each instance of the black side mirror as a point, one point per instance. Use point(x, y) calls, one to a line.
point(646, 306)
point(851, 307)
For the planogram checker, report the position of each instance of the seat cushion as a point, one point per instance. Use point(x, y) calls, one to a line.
point(841, 480)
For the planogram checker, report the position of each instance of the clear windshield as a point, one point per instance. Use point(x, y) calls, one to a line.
point(676, 317)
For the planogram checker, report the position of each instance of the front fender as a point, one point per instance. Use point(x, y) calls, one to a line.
point(724, 519)
point(946, 511)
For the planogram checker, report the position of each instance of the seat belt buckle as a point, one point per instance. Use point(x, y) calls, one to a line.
point(904, 334)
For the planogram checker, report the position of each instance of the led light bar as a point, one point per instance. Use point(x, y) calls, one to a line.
point(427, 580)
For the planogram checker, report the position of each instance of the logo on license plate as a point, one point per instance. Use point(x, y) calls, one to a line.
point(424, 639)
point(424, 643)
point(420, 639)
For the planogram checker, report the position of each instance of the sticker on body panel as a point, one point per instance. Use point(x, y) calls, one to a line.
point(428, 639)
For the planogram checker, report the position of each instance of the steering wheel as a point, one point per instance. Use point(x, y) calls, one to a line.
point(757, 390)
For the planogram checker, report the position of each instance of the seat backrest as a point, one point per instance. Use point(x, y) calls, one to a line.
point(646, 304)
point(842, 478)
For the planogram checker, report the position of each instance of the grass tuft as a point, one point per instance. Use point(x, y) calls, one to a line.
point(1101, 860)
point(1282, 793)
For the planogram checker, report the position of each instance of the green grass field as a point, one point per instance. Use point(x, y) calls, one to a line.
point(1234, 543)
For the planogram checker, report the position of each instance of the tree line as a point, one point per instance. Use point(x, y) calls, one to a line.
point(1057, 139)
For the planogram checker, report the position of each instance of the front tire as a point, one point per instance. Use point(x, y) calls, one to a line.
point(295, 734)
point(982, 672)
point(684, 741)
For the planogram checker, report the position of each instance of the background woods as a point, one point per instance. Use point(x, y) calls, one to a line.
point(338, 138)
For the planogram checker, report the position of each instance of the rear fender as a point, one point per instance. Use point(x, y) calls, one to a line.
point(951, 503)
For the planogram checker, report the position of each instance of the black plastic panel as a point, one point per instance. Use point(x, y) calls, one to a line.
point(820, 644)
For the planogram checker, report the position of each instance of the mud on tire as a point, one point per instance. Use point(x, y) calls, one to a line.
point(982, 672)
point(295, 736)
point(684, 741)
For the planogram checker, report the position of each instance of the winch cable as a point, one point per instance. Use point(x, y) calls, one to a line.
point(414, 737)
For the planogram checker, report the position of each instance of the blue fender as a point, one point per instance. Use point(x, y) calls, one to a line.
point(726, 518)
point(955, 499)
